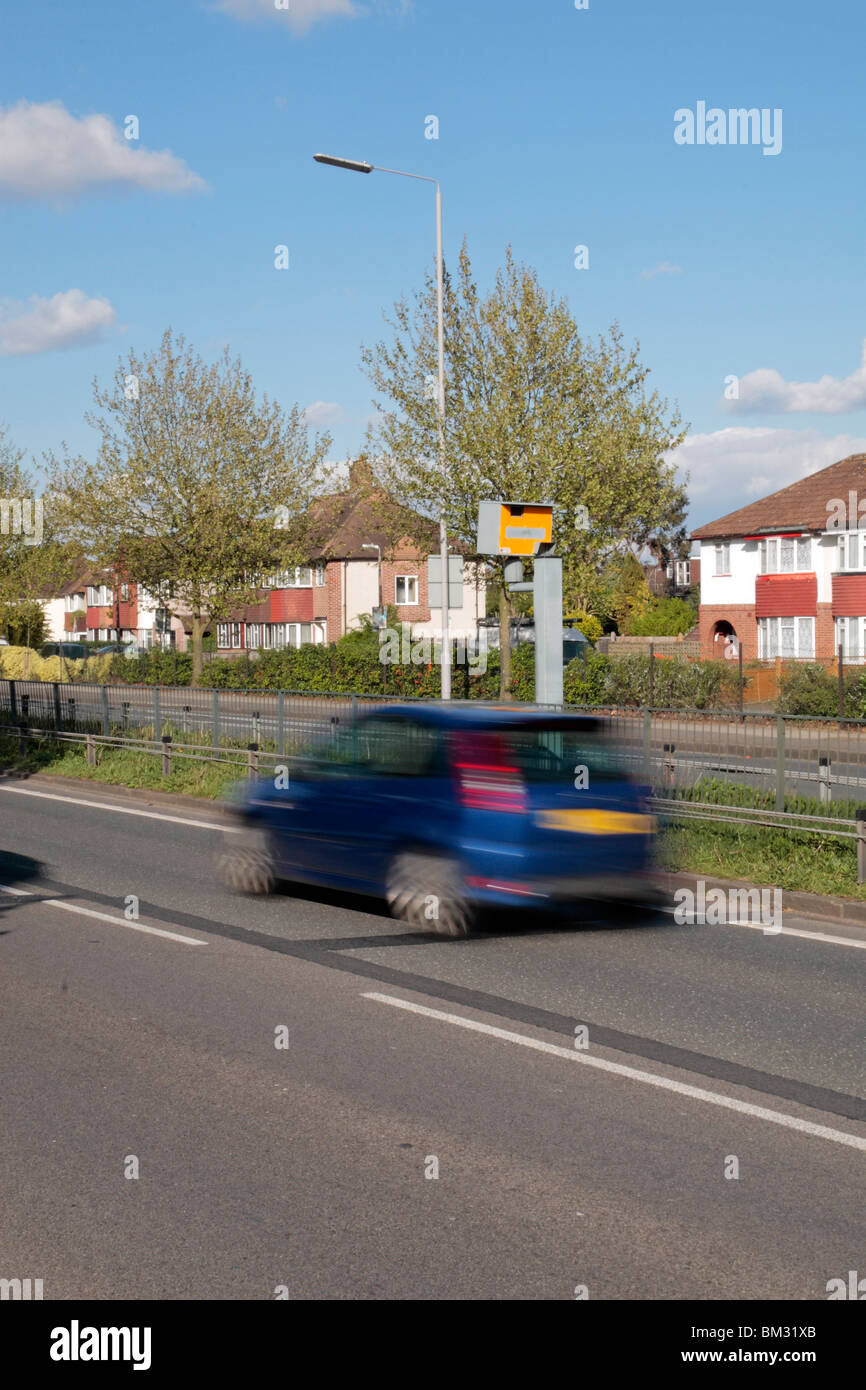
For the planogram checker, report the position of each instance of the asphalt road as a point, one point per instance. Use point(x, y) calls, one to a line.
point(305, 1166)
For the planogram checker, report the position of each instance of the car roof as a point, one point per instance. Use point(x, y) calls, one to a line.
point(475, 715)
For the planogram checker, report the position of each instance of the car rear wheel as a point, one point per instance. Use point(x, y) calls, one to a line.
point(426, 891)
point(248, 867)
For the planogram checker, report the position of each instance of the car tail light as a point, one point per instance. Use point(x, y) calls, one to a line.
point(487, 779)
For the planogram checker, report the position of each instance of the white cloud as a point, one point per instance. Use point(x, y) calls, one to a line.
point(663, 268)
point(299, 15)
point(64, 320)
point(45, 152)
point(767, 389)
point(321, 414)
point(732, 467)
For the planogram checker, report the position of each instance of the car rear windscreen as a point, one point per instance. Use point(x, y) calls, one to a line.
point(549, 755)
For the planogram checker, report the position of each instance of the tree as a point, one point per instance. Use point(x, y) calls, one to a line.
point(33, 565)
point(198, 488)
point(631, 594)
point(665, 617)
point(534, 412)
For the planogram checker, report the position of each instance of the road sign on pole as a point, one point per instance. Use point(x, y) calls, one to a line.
point(514, 529)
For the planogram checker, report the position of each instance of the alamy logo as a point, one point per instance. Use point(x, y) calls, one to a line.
point(736, 126)
point(76, 1343)
point(855, 1288)
point(852, 518)
point(22, 516)
point(20, 1289)
point(399, 648)
point(716, 907)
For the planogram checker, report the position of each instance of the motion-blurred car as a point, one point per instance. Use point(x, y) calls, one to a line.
point(447, 809)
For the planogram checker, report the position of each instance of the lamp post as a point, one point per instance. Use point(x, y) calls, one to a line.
point(360, 166)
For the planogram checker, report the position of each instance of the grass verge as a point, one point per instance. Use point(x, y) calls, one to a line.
point(792, 860)
point(122, 768)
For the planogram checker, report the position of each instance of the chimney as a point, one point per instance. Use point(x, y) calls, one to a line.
point(360, 475)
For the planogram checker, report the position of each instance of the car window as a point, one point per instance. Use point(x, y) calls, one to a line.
point(549, 755)
point(379, 748)
point(399, 748)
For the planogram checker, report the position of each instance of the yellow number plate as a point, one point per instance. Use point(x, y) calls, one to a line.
point(597, 822)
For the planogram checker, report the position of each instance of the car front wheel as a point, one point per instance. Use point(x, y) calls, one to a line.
point(426, 891)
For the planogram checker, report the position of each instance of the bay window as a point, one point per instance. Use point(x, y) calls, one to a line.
point(789, 638)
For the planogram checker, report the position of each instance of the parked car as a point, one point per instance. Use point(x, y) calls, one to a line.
point(73, 651)
point(445, 810)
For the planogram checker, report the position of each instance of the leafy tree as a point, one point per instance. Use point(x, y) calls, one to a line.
point(198, 487)
point(589, 625)
point(665, 618)
point(23, 623)
point(630, 595)
point(33, 564)
point(534, 412)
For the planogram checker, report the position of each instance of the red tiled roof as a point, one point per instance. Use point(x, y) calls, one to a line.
point(804, 505)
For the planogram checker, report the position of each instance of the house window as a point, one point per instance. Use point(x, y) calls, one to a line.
point(254, 636)
point(850, 551)
point(851, 635)
point(785, 554)
point(684, 573)
point(299, 578)
point(723, 559)
point(406, 590)
point(222, 635)
point(789, 638)
point(320, 575)
point(236, 634)
point(145, 638)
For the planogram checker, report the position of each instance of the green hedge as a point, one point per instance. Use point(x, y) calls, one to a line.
point(353, 670)
point(812, 689)
point(626, 681)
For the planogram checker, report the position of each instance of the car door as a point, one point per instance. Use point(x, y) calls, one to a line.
point(384, 785)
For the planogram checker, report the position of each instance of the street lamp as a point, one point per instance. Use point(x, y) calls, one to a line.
point(360, 166)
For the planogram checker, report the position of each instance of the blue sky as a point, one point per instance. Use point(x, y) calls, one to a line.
point(556, 129)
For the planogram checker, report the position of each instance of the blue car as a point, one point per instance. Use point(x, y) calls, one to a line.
point(445, 810)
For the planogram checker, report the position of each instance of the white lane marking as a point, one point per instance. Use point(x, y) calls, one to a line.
point(810, 935)
point(105, 917)
point(123, 810)
point(775, 1117)
point(783, 931)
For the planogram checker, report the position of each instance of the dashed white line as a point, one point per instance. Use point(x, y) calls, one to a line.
point(104, 917)
point(123, 810)
point(760, 1112)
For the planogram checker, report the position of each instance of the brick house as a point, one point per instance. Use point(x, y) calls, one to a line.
point(84, 609)
point(356, 565)
point(786, 576)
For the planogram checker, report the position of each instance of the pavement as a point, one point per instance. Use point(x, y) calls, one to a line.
point(436, 1127)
